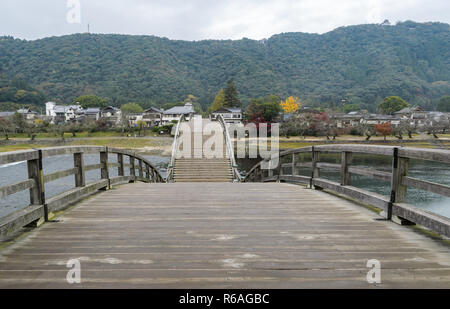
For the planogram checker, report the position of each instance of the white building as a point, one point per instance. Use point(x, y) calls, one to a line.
point(175, 113)
point(229, 114)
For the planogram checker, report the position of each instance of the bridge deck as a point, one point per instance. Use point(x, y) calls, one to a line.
point(253, 235)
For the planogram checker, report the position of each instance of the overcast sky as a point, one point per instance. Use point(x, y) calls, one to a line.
point(206, 19)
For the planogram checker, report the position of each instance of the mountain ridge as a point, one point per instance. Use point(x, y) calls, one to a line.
point(361, 64)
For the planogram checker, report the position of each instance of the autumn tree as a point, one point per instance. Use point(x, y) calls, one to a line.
point(384, 129)
point(219, 101)
point(392, 104)
point(291, 105)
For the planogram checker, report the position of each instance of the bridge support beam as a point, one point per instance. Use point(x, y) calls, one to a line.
point(315, 168)
point(132, 169)
point(398, 189)
point(80, 177)
point(346, 160)
point(121, 170)
point(104, 171)
point(37, 192)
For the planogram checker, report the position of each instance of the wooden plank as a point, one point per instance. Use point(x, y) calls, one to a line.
point(63, 200)
point(93, 167)
point(386, 176)
point(58, 175)
point(17, 187)
point(436, 155)
point(296, 178)
point(362, 195)
point(66, 150)
point(436, 223)
point(362, 149)
point(331, 166)
point(15, 221)
point(426, 185)
point(277, 236)
point(18, 156)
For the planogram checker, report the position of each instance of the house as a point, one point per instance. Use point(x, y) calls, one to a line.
point(379, 119)
point(92, 114)
point(112, 115)
point(62, 113)
point(27, 114)
point(133, 119)
point(229, 114)
point(175, 113)
point(6, 115)
point(349, 120)
point(153, 116)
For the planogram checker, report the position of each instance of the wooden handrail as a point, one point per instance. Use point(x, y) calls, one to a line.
point(230, 149)
point(36, 180)
point(392, 206)
point(170, 168)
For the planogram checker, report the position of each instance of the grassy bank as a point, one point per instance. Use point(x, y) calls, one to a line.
point(150, 144)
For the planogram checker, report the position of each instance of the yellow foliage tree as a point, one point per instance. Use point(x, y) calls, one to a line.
point(291, 105)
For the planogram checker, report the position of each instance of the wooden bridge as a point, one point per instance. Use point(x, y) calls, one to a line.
point(265, 231)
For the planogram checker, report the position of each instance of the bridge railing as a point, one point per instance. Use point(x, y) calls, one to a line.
point(394, 207)
point(230, 149)
point(40, 206)
point(175, 143)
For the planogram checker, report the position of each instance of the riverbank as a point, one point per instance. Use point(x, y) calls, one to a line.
point(159, 145)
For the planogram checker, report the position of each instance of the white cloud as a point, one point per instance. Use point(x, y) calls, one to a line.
point(206, 19)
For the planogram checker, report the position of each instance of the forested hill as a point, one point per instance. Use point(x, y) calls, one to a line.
point(362, 64)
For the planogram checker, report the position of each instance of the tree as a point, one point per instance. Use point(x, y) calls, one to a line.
point(219, 101)
point(351, 108)
point(5, 126)
point(90, 101)
point(131, 108)
point(366, 129)
point(291, 105)
point(384, 129)
point(18, 122)
point(444, 104)
point(263, 109)
point(231, 95)
point(392, 104)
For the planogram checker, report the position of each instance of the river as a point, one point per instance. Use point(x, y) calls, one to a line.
point(431, 171)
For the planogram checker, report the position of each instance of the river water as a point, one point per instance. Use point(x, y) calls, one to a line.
point(430, 171)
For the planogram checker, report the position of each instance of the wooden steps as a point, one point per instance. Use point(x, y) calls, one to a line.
point(202, 169)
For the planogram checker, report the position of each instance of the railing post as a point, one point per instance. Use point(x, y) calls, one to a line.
point(398, 190)
point(37, 193)
point(270, 170)
point(78, 162)
point(315, 169)
point(104, 172)
point(279, 168)
point(132, 169)
point(147, 172)
point(121, 170)
point(293, 164)
point(141, 169)
point(346, 160)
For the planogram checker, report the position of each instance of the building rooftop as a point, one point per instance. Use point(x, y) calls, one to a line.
point(186, 109)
